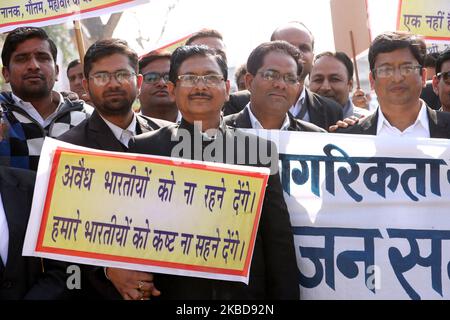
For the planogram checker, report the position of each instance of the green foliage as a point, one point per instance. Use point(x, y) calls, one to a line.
point(62, 35)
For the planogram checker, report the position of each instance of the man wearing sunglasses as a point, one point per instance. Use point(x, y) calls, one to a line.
point(441, 81)
point(112, 82)
point(398, 76)
point(156, 102)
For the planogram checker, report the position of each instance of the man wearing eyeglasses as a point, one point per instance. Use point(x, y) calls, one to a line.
point(397, 75)
point(308, 105)
point(441, 81)
point(199, 83)
point(156, 102)
point(272, 78)
point(112, 82)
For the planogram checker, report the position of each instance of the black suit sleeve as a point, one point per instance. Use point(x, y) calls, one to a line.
point(51, 285)
point(282, 273)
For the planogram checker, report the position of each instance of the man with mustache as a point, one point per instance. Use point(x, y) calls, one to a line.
point(33, 110)
point(397, 74)
point(112, 82)
point(154, 97)
point(273, 80)
point(198, 81)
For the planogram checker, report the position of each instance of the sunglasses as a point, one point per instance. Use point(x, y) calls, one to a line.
point(445, 76)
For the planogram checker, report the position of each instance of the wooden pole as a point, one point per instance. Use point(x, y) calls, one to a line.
point(79, 39)
point(358, 86)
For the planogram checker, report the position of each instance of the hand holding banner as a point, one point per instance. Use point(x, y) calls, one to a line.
point(145, 213)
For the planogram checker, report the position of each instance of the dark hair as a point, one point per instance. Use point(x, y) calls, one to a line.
point(207, 33)
point(73, 64)
point(342, 57)
point(242, 70)
point(153, 56)
point(256, 58)
point(391, 41)
point(443, 57)
point(302, 26)
point(185, 52)
point(204, 33)
point(430, 60)
point(108, 47)
point(20, 35)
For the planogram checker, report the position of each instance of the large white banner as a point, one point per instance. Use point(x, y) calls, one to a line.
point(371, 216)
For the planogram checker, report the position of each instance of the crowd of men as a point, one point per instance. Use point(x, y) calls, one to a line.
point(284, 87)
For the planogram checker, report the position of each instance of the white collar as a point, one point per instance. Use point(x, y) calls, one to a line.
point(257, 125)
point(422, 120)
point(119, 133)
point(179, 116)
point(33, 113)
point(295, 109)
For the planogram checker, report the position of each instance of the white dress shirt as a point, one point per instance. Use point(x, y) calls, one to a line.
point(419, 129)
point(33, 113)
point(297, 107)
point(257, 125)
point(179, 116)
point(4, 234)
point(122, 135)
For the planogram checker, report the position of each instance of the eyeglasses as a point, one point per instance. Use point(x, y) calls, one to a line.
point(445, 76)
point(209, 80)
point(388, 71)
point(155, 77)
point(271, 75)
point(103, 78)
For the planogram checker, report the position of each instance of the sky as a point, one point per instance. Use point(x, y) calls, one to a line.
point(244, 23)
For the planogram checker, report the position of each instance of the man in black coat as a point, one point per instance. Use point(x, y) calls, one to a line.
point(112, 83)
point(397, 75)
point(308, 106)
point(23, 277)
point(198, 80)
point(272, 78)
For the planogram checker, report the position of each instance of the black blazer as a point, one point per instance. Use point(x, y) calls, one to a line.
point(274, 273)
point(236, 102)
point(431, 98)
point(323, 112)
point(242, 120)
point(95, 133)
point(24, 277)
point(438, 121)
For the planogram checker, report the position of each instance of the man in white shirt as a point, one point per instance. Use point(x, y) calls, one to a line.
point(332, 77)
point(398, 76)
point(272, 77)
point(112, 83)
